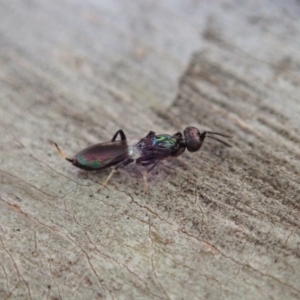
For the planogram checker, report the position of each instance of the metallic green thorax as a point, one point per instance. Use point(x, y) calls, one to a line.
point(164, 141)
point(156, 147)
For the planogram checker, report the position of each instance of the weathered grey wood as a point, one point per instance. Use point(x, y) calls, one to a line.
point(219, 224)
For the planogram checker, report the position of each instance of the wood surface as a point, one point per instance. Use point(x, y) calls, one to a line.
point(219, 224)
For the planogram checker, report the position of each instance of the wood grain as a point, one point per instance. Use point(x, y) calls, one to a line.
point(218, 224)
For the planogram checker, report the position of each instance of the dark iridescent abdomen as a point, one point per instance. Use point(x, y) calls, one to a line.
point(101, 156)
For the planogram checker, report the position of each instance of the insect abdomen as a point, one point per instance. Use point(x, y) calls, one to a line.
point(101, 156)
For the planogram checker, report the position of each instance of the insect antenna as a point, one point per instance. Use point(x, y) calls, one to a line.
point(216, 139)
point(62, 154)
point(220, 134)
point(204, 135)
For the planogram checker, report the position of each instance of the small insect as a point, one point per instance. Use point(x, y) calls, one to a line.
point(148, 151)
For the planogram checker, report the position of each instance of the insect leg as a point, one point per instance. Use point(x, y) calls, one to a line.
point(114, 169)
point(156, 163)
point(145, 173)
point(104, 183)
point(122, 135)
point(150, 133)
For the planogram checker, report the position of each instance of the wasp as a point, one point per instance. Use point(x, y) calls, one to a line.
point(148, 151)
